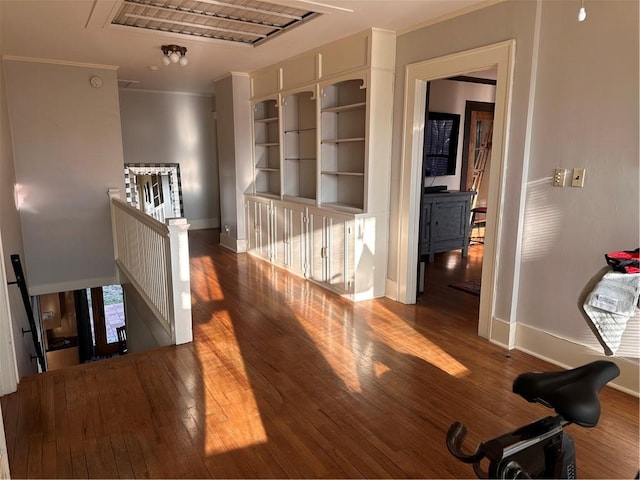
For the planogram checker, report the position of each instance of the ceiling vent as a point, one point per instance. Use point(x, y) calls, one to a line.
point(247, 22)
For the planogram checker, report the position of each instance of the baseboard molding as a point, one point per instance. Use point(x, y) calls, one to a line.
point(391, 289)
point(502, 333)
point(568, 354)
point(73, 285)
point(238, 246)
point(204, 224)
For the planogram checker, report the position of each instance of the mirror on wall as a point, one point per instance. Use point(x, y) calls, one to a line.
point(154, 189)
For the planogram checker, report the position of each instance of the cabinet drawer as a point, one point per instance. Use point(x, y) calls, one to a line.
point(448, 245)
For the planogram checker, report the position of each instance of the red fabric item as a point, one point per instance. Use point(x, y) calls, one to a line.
point(624, 261)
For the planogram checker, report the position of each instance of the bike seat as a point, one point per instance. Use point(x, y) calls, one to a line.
point(573, 394)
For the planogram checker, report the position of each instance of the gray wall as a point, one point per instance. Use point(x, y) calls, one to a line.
point(585, 114)
point(144, 330)
point(67, 153)
point(176, 128)
point(504, 21)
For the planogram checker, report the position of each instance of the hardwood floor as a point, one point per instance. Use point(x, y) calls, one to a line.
point(285, 379)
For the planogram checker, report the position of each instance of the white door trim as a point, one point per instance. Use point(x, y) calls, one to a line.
point(8, 365)
point(500, 56)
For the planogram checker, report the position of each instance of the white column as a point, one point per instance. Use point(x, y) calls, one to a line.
point(180, 283)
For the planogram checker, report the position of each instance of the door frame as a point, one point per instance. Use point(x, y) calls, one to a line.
point(500, 56)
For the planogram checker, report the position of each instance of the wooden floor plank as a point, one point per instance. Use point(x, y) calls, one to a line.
point(286, 380)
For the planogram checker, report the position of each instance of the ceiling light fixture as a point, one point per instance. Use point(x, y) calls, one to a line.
point(582, 13)
point(174, 54)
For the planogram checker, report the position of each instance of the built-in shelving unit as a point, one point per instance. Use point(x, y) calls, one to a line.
point(300, 146)
point(343, 144)
point(266, 131)
point(330, 221)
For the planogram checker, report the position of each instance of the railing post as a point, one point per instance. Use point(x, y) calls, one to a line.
point(180, 289)
point(114, 194)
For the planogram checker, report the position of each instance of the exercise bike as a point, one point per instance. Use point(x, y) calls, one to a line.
point(541, 449)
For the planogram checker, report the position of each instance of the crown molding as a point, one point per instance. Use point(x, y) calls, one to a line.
point(166, 92)
point(66, 63)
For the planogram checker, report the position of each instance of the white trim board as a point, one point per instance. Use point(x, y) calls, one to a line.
point(500, 56)
point(72, 285)
point(9, 376)
point(568, 354)
point(238, 246)
point(59, 62)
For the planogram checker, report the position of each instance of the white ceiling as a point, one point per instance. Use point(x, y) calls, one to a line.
point(80, 31)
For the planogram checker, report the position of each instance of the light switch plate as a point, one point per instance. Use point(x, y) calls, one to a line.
point(577, 179)
point(559, 176)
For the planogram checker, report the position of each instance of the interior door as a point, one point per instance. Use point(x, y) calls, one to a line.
point(476, 155)
point(106, 311)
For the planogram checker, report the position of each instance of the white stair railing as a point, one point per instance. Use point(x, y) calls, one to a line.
point(154, 257)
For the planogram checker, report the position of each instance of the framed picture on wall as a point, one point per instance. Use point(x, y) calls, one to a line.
point(440, 144)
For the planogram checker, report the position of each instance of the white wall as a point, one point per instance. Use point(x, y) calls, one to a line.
point(165, 127)
point(585, 114)
point(449, 96)
point(67, 152)
point(234, 150)
point(12, 240)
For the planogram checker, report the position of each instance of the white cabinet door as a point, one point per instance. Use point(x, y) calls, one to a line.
point(331, 248)
point(290, 237)
point(259, 227)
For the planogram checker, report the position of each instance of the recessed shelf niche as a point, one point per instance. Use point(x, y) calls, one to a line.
point(300, 146)
point(266, 130)
point(343, 142)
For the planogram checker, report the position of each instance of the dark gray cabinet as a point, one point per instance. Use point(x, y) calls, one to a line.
point(445, 222)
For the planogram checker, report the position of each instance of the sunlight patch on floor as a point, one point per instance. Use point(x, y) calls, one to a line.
point(209, 291)
point(394, 328)
point(336, 350)
point(232, 416)
point(380, 369)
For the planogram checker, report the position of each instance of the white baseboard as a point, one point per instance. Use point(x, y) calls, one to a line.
point(391, 289)
point(73, 285)
point(204, 224)
point(502, 333)
point(238, 246)
point(568, 354)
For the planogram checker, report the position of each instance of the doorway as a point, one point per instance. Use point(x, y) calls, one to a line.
point(450, 275)
point(499, 56)
point(106, 315)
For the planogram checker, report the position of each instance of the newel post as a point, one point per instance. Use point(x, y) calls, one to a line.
point(180, 288)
